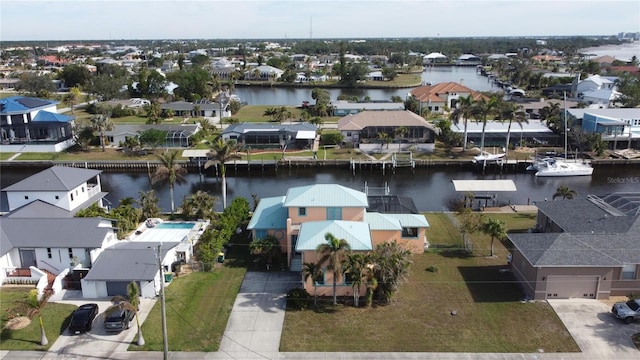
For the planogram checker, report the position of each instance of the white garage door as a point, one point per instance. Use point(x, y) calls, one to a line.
point(572, 286)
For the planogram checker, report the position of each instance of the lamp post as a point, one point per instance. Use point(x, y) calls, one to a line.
point(165, 344)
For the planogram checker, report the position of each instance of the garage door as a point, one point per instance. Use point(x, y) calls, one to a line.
point(117, 288)
point(567, 287)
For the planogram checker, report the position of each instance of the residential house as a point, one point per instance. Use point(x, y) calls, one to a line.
point(265, 135)
point(301, 219)
point(67, 188)
point(619, 127)
point(581, 248)
point(264, 73)
point(342, 107)
point(128, 261)
point(178, 135)
point(204, 108)
point(40, 234)
point(600, 91)
point(495, 132)
point(363, 130)
point(435, 58)
point(33, 125)
point(437, 97)
point(468, 60)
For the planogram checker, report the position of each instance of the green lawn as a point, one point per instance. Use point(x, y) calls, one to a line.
point(255, 113)
point(198, 307)
point(5, 155)
point(55, 317)
point(490, 316)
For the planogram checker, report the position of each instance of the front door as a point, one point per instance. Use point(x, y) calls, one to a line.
point(27, 258)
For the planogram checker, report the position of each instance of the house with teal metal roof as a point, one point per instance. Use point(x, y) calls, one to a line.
point(302, 218)
point(33, 125)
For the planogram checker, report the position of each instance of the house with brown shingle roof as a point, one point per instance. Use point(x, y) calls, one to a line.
point(442, 95)
point(362, 130)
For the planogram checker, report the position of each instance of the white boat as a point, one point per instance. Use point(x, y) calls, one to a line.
point(563, 168)
point(560, 167)
point(539, 163)
point(486, 157)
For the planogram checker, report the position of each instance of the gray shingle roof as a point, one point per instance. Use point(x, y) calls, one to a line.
point(567, 249)
point(55, 178)
point(583, 216)
point(128, 261)
point(382, 118)
point(60, 232)
point(39, 209)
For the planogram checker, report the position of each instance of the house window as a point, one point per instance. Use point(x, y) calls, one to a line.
point(302, 211)
point(261, 234)
point(334, 213)
point(26, 197)
point(57, 197)
point(320, 279)
point(410, 232)
point(349, 278)
point(70, 253)
point(82, 189)
point(348, 133)
point(629, 272)
point(49, 255)
point(71, 196)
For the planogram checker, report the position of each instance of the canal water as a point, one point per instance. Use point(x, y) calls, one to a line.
point(466, 75)
point(430, 187)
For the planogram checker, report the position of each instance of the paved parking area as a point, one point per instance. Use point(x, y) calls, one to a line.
point(598, 333)
point(97, 342)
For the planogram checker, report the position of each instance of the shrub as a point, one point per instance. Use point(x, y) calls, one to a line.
point(297, 299)
point(433, 269)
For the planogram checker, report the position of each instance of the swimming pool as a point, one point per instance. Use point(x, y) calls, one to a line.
point(175, 225)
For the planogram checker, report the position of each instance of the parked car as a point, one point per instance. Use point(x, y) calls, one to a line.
point(627, 311)
point(82, 318)
point(119, 319)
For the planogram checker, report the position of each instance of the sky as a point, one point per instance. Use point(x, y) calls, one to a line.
point(304, 19)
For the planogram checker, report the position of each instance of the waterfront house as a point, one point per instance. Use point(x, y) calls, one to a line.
point(495, 132)
point(437, 97)
point(176, 135)
point(601, 91)
point(199, 108)
point(363, 131)
point(33, 125)
point(264, 73)
point(343, 107)
point(67, 188)
point(301, 219)
point(468, 60)
point(40, 235)
point(269, 135)
point(581, 248)
point(620, 128)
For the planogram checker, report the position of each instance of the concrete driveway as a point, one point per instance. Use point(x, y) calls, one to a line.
point(97, 342)
point(596, 331)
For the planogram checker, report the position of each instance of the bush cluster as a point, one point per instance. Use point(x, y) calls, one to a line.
point(297, 299)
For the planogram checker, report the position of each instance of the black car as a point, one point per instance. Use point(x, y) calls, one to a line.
point(118, 319)
point(82, 318)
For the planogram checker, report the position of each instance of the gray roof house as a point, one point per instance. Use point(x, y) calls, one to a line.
point(257, 135)
point(128, 261)
point(177, 135)
point(581, 248)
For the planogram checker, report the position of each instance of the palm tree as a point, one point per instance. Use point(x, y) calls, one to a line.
point(131, 303)
point(463, 112)
point(220, 152)
point(312, 270)
point(552, 115)
point(270, 112)
point(401, 132)
point(481, 110)
point(283, 114)
point(267, 248)
point(331, 251)
point(511, 112)
point(384, 138)
point(494, 228)
point(565, 192)
point(148, 202)
point(36, 303)
point(199, 205)
point(101, 123)
point(170, 171)
point(355, 266)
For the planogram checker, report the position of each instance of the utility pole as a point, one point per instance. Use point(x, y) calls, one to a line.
point(164, 310)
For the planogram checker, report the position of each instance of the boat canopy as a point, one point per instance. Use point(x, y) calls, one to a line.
point(484, 185)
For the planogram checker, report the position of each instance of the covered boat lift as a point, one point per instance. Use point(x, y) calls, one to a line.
point(483, 189)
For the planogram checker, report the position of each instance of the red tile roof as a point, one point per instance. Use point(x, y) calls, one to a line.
point(435, 92)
